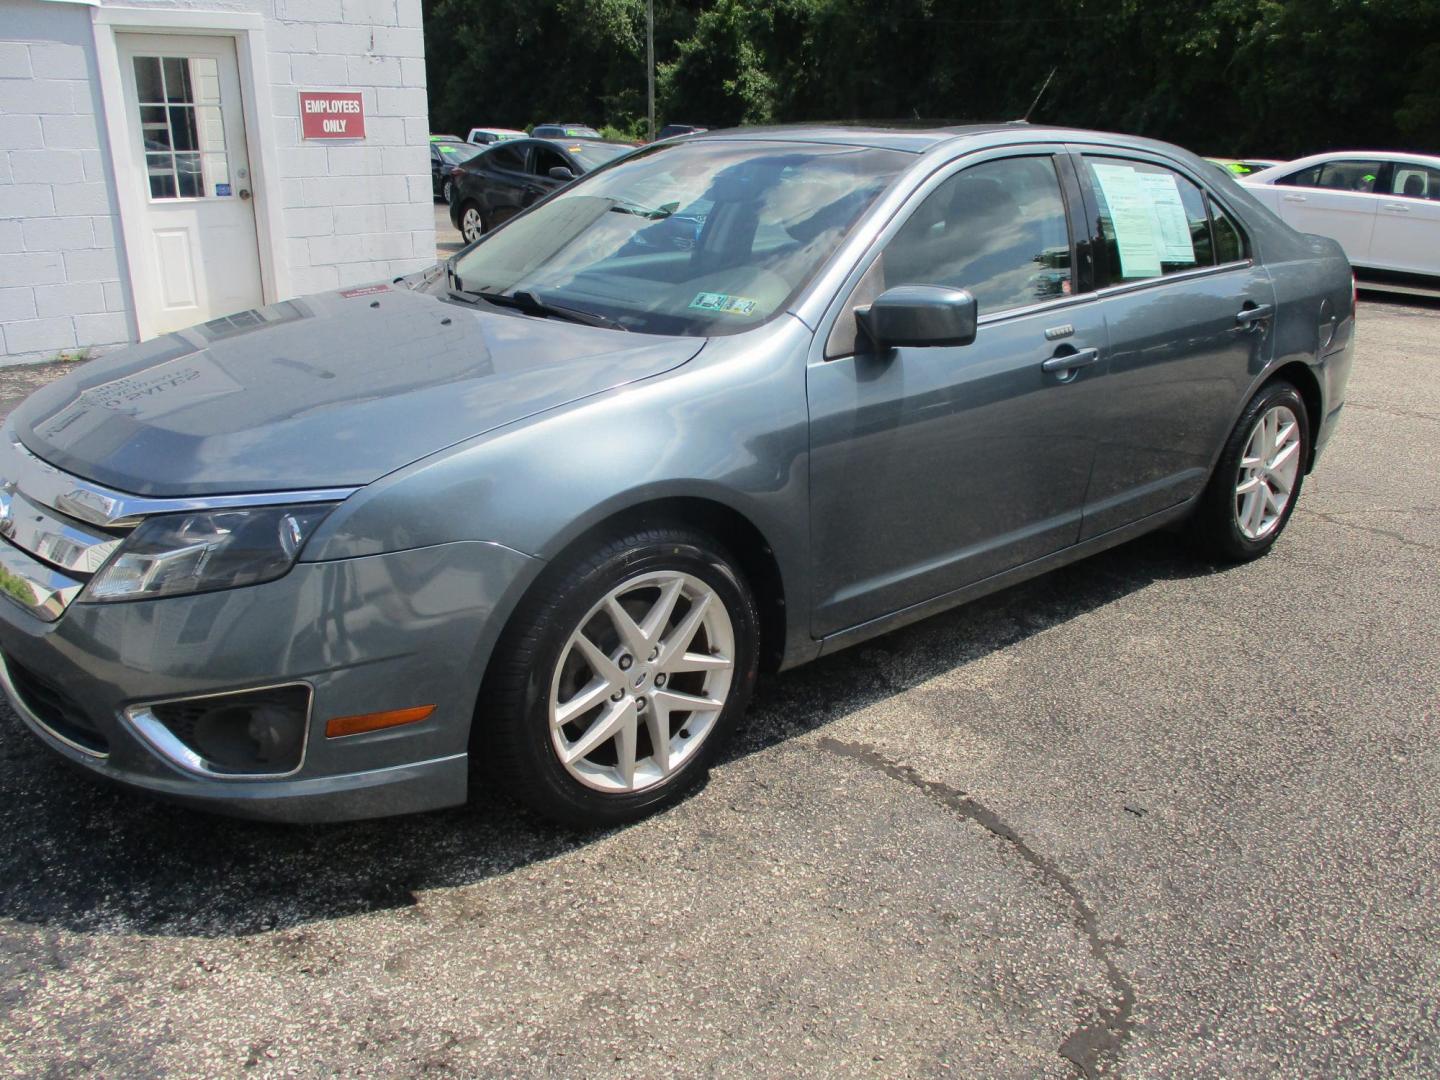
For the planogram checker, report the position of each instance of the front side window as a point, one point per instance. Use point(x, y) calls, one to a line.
point(997, 229)
point(508, 158)
point(1414, 181)
point(701, 237)
point(1153, 221)
point(1360, 176)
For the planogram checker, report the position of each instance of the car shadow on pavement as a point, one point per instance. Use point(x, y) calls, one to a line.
point(85, 857)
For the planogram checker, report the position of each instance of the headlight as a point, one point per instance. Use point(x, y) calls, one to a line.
point(201, 552)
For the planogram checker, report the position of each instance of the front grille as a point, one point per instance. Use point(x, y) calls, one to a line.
point(56, 709)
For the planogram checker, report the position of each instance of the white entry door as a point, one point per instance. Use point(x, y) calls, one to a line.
point(199, 257)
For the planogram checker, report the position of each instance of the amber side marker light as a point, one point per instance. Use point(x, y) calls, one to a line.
point(375, 721)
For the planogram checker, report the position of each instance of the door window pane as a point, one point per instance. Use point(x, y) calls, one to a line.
point(1415, 181)
point(1153, 221)
point(997, 229)
point(1304, 178)
point(1349, 175)
point(507, 157)
point(182, 127)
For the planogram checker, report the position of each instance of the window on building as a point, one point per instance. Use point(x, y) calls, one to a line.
point(182, 127)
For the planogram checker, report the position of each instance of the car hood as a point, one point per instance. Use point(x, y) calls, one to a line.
point(332, 390)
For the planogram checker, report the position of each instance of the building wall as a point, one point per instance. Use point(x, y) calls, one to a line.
point(62, 277)
point(352, 212)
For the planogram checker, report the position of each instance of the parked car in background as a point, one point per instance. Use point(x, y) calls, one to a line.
point(445, 156)
point(670, 131)
point(486, 136)
point(547, 509)
point(504, 179)
point(1383, 208)
point(564, 131)
point(1245, 166)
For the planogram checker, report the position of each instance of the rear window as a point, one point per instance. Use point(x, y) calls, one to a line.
point(593, 155)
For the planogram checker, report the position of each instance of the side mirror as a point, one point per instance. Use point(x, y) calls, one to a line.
point(919, 315)
point(562, 173)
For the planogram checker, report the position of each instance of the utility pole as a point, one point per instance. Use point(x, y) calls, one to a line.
point(650, 60)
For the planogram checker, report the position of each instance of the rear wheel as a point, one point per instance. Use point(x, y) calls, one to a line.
point(1259, 476)
point(447, 192)
point(615, 685)
point(472, 222)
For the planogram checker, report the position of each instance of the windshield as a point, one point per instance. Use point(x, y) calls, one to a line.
point(704, 237)
point(593, 155)
point(455, 153)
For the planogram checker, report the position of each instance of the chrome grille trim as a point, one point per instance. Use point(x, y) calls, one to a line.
point(96, 504)
point(58, 541)
point(41, 590)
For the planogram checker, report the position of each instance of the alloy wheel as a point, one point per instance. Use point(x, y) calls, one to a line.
point(641, 682)
point(1268, 471)
point(447, 192)
point(471, 225)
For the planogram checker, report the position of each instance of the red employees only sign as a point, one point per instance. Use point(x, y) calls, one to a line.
point(331, 116)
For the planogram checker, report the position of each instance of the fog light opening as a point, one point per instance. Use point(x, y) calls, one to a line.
point(251, 733)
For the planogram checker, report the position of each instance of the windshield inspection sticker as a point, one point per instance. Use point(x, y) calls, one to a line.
point(722, 304)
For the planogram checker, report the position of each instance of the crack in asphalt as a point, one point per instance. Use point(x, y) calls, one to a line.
point(1409, 414)
point(1091, 1046)
point(1389, 534)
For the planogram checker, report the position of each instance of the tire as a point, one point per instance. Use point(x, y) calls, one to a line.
point(1239, 519)
point(556, 712)
point(472, 222)
point(447, 192)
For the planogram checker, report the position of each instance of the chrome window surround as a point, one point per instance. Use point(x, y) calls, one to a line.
point(49, 547)
point(164, 742)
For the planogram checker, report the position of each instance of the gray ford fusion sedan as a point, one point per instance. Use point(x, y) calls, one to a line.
point(540, 514)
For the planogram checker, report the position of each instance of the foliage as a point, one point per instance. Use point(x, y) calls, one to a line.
point(1236, 77)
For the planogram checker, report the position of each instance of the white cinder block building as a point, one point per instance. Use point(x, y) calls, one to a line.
point(167, 163)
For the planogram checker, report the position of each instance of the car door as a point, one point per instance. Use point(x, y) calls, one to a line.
point(543, 158)
point(1336, 198)
point(1407, 221)
point(1188, 313)
point(505, 180)
point(933, 468)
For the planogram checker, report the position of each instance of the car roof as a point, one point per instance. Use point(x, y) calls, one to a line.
point(1285, 168)
point(919, 137)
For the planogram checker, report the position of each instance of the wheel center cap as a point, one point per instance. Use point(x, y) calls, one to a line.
point(641, 679)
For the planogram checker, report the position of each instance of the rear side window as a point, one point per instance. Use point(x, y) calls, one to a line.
point(1229, 241)
point(1415, 181)
point(507, 157)
point(1153, 221)
point(1304, 178)
point(997, 229)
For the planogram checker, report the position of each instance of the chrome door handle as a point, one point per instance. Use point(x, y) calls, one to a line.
point(1294, 198)
point(1252, 318)
point(1063, 362)
point(1395, 208)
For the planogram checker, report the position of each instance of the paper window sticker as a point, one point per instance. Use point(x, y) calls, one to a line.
point(1134, 223)
point(1176, 244)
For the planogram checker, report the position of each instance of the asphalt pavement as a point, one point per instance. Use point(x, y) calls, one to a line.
point(1145, 816)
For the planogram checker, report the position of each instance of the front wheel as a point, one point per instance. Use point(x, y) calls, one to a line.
point(472, 223)
point(1258, 477)
point(616, 683)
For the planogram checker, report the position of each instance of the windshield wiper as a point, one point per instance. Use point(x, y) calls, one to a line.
point(531, 304)
point(650, 213)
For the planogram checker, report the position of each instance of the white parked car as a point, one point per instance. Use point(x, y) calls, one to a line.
point(1383, 207)
point(486, 136)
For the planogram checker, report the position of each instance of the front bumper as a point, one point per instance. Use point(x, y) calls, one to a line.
point(367, 634)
